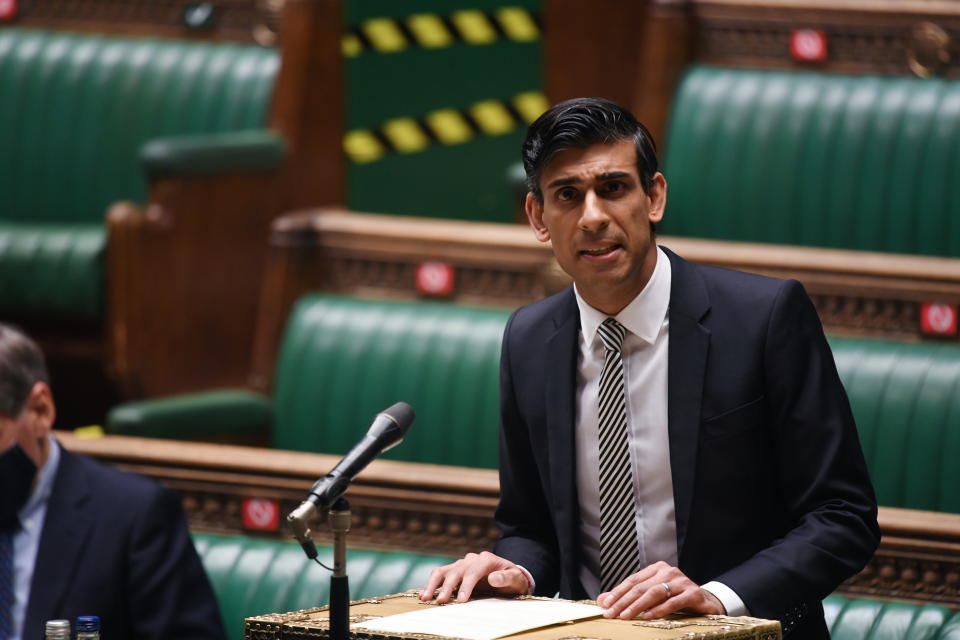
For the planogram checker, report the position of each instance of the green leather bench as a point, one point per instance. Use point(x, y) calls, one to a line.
point(84, 116)
point(341, 361)
point(344, 359)
point(818, 159)
point(906, 399)
point(864, 619)
point(253, 576)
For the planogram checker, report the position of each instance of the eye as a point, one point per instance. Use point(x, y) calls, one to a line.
point(613, 187)
point(566, 194)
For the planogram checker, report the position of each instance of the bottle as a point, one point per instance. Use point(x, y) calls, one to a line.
point(57, 630)
point(88, 628)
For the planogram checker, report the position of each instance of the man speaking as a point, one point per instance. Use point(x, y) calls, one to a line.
point(673, 437)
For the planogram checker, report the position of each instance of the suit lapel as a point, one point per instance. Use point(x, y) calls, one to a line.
point(560, 389)
point(65, 530)
point(687, 361)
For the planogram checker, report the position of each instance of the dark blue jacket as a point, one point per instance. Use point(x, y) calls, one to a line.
point(771, 489)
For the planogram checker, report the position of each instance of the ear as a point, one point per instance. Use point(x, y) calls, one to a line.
point(658, 197)
point(40, 410)
point(534, 209)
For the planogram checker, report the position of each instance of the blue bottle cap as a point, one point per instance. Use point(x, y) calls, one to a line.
point(88, 623)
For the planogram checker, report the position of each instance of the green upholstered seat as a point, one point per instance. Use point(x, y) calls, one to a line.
point(906, 399)
point(865, 619)
point(76, 110)
point(52, 269)
point(253, 576)
point(343, 359)
point(829, 160)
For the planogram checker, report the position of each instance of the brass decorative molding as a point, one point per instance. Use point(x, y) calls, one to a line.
point(930, 50)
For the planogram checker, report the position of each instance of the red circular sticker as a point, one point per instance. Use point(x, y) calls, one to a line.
point(435, 278)
point(938, 318)
point(809, 45)
point(261, 514)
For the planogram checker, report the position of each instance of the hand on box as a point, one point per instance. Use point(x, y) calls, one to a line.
point(480, 572)
point(656, 591)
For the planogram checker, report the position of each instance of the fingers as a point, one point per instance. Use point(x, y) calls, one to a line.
point(654, 592)
point(612, 596)
point(508, 581)
point(474, 572)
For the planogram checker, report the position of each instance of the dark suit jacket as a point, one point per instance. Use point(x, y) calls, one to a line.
point(116, 545)
point(770, 486)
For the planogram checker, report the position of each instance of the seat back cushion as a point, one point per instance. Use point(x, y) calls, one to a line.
point(906, 400)
point(343, 360)
point(819, 159)
point(864, 619)
point(76, 109)
point(51, 270)
point(254, 576)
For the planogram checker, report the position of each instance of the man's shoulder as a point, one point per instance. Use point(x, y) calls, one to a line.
point(726, 285)
point(106, 482)
point(544, 314)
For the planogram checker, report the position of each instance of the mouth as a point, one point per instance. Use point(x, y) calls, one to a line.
point(601, 252)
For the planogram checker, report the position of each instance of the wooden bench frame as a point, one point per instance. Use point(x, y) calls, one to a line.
point(863, 36)
point(856, 292)
point(184, 272)
point(449, 510)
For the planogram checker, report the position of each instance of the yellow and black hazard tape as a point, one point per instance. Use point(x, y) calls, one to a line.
point(435, 31)
point(444, 127)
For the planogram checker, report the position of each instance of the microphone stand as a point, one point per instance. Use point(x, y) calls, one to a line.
point(339, 583)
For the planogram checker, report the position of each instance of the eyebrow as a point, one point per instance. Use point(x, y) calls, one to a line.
point(610, 175)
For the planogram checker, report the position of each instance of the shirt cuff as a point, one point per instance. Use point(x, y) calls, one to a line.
point(728, 597)
point(531, 583)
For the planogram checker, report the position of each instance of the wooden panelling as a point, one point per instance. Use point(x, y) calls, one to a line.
point(856, 293)
point(235, 20)
point(449, 510)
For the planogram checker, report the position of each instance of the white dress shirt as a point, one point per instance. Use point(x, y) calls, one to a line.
point(26, 540)
point(645, 350)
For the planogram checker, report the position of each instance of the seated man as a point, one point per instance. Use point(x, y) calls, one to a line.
point(673, 437)
point(79, 538)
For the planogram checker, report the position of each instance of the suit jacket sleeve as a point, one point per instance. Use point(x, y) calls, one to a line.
point(169, 592)
point(827, 499)
point(523, 514)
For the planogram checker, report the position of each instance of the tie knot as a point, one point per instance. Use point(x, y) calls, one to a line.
point(612, 334)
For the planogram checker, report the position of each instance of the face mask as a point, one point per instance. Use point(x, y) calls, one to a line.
point(17, 472)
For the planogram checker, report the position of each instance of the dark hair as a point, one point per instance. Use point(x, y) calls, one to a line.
point(21, 366)
point(579, 123)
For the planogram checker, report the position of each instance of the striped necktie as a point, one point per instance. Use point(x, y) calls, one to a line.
point(6, 584)
point(619, 552)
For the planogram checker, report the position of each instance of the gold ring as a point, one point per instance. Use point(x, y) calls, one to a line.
point(666, 587)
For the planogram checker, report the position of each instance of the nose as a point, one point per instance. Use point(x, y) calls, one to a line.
point(593, 217)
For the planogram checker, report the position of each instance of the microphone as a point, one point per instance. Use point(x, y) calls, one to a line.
point(387, 431)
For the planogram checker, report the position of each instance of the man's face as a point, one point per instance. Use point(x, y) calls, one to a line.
point(29, 429)
point(597, 217)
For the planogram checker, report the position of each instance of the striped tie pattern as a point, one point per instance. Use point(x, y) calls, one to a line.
point(619, 552)
point(6, 584)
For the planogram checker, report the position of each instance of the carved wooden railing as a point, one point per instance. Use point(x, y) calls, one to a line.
point(449, 510)
point(891, 37)
point(856, 292)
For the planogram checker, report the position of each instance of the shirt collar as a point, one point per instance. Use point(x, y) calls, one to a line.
point(44, 487)
point(644, 316)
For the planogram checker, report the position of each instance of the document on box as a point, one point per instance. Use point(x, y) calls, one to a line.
point(484, 619)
